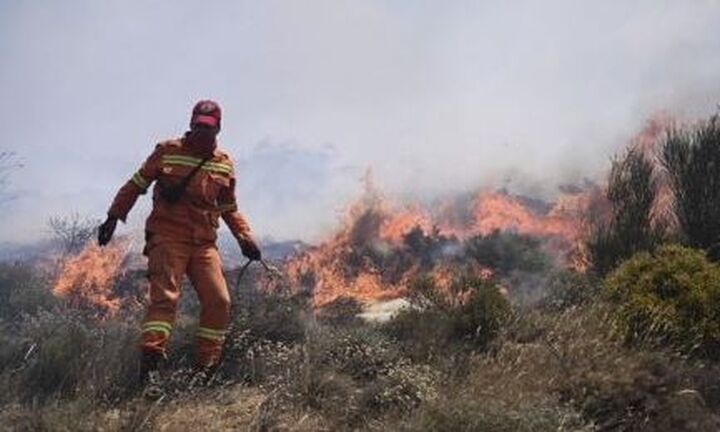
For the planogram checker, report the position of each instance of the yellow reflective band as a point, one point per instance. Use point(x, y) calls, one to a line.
point(182, 158)
point(194, 160)
point(217, 166)
point(222, 170)
point(213, 338)
point(225, 171)
point(163, 324)
point(180, 162)
point(212, 331)
point(208, 333)
point(227, 207)
point(158, 329)
point(140, 181)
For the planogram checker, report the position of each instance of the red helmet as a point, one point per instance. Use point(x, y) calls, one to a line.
point(206, 112)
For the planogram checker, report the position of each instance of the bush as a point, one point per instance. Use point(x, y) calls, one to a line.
point(22, 290)
point(692, 160)
point(271, 316)
point(472, 314)
point(569, 288)
point(480, 318)
point(670, 296)
point(361, 353)
point(341, 312)
point(505, 252)
point(62, 354)
point(351, 376)
point(631, 192)
point(467, 414)
point(264, 331)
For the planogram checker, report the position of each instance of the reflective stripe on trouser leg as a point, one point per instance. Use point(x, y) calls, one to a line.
point(155, 335)
point(205, 271)
point(167, 262)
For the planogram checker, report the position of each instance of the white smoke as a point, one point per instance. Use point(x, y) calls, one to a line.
point(435, 97)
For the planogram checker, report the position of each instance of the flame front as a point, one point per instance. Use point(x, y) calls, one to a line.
point(87, 278)
point(368, 258)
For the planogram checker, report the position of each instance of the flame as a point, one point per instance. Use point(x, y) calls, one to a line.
point(367, 259)
point(497, 211)
point(400, 223)
point(86, 279)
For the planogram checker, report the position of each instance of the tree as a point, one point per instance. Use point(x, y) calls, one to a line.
point(73, 231)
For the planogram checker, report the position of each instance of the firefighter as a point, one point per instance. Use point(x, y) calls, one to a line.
point(195, 186)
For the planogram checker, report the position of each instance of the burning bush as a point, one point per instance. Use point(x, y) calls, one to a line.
point(692, 159)
point(380, 247)
point(87, 280)
point(670, 297)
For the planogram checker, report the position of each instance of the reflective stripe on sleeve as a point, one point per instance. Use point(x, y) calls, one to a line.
point(227, 207)
point(140, 181)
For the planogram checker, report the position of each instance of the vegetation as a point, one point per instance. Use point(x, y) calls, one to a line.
point(631, 345)
point(670, 297)
point(692, 157)
point(506, 252)
point(631, 193)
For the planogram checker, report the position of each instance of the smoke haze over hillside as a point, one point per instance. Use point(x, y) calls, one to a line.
point(434, 97)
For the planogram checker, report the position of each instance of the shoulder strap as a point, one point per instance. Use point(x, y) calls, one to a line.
point(186, 180)
point(173, 193)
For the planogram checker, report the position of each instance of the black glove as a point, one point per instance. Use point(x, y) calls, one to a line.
point(250, 249)
point(106, 230)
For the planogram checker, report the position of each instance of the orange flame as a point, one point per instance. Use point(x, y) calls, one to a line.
point(87, 278)
point(346, 265)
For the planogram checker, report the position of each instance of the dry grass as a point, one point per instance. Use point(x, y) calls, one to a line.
point(559, 365)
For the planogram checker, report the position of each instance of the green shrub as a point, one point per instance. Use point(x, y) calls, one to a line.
point(480, 318)
point(631, 192)
point(471, 314)
point(692, 159)
point(670, 296)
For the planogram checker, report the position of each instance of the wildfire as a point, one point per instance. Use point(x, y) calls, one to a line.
point(496, 211)
point(368, 257)
point(86, 279)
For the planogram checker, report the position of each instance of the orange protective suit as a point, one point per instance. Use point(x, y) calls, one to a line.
point(181, 240)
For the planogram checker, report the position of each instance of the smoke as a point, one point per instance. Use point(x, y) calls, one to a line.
point(435, 97)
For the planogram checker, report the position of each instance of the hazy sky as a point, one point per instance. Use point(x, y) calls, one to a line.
point(433, 96)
